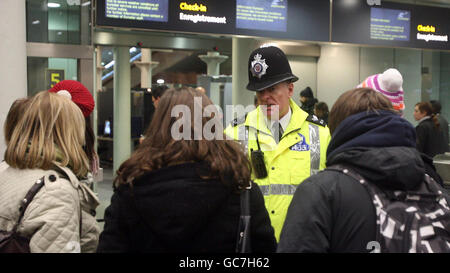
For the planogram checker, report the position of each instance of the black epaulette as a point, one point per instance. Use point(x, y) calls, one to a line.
point(314, 119)
point(238, 120)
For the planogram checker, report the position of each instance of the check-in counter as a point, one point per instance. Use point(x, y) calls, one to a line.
point(442, 164)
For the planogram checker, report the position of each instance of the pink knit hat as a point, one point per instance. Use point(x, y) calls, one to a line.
point(389, 83)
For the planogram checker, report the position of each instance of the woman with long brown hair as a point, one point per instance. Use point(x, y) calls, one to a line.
point(430, 136)
point(179, 191)
point(321, 111)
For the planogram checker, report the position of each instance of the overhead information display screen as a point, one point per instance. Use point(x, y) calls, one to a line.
point(149, 10)
point(199, 13)
point(307, 20)
point(390, 24)
point(262, 14)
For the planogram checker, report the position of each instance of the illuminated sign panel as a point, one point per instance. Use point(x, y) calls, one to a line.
point(194, 7)
point(391, 24)
point(354, 21)
point(300, 20)
point(262, 14)
point(426, 28)
point(427, 36)
point(54, 76)
point(199, 14)
point(148, 10)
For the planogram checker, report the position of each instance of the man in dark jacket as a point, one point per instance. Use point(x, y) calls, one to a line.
point(332, 212)
point(307, 99)
point(436, 106)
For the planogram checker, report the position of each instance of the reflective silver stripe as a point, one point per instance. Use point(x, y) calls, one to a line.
point(246, 140)
point(243, 137)
point(241, 133)
point(314, 148)
point(264, 190)
point(278, 189)
point(284, 189)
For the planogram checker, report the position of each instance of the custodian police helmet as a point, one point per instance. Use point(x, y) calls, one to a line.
point(268, 66)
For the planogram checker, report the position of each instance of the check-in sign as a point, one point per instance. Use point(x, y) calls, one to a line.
point(54, 76)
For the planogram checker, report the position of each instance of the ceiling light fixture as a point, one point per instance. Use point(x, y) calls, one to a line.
point(110, 64)
point(53, 5)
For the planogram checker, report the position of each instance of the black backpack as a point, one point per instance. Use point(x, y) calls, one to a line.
point(408, 221)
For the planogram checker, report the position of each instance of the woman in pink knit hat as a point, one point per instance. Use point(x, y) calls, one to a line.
point(389, 83)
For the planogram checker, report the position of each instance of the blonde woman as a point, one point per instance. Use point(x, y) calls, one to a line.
point(14, 115)
point(47, 143)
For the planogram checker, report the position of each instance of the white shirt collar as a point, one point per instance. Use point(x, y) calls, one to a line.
point(284, 121)
point(424, 118)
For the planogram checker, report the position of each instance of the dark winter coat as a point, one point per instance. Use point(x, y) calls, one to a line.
point(325, 118)
point(174, 210)
point(308, 106)
point(444, 126)
point(431, 140)
point(332, 212)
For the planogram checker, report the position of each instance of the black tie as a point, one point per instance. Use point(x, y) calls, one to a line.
point(277, 131)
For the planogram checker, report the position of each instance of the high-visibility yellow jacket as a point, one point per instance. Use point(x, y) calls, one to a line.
point(300, 153)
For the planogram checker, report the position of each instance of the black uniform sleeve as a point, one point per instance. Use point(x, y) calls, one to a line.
point(114, 236)
point(308, 223)
point(262, 233)
point(421, 132)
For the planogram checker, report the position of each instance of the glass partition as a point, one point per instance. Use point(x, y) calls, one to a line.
point(58, 21)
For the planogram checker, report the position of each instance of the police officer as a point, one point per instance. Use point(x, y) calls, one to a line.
point(284, 143)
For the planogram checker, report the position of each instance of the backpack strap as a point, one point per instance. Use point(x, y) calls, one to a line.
point(243, 244)
point(27, 200)
point(347, 171)
point(355, 175)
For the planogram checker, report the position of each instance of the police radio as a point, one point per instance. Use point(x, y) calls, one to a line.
point(257, 158)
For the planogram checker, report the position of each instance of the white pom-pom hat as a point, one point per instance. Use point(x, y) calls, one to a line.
point(389, 83)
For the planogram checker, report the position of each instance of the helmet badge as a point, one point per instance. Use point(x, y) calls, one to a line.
point(259, 66)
